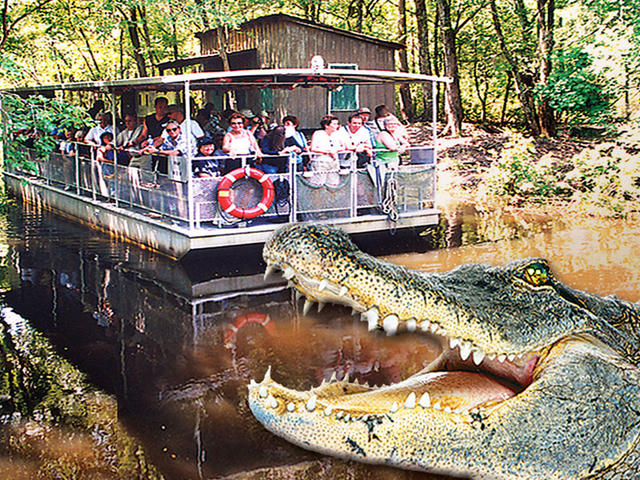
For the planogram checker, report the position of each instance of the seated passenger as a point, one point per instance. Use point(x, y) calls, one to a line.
point(204, 166)
point(240, 142)
point(390, 143)
point(326, 146)
point(356, 141)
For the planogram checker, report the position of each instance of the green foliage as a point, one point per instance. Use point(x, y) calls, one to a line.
point(574, 89)
point(35, 118)
point(602, 180)
point(606, 179)
point(516, 173)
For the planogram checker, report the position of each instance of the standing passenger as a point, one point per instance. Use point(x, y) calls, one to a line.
point(326, 147)
point(152, 125)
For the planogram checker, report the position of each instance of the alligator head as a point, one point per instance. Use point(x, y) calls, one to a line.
point(536, 380)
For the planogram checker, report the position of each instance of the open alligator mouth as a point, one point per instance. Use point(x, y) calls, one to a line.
point(460, 381)
point(535, 379)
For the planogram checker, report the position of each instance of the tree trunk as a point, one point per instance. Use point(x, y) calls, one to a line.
point(523, 84)
point(222, 51)
point(453, 104)
point(407, 109)
point(132, 28)
point(424, 56)
point(545, 17)
point(505, 101)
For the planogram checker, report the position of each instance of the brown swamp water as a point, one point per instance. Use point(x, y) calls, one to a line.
point(117, 363)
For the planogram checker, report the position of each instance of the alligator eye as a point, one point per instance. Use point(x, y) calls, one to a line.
point(537, 274)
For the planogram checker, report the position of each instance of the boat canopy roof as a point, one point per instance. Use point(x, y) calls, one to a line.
point(281, 78)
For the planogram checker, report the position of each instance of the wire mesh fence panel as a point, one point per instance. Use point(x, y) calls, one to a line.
point(318, 201)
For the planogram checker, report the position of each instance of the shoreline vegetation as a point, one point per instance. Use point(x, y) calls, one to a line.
point(507, 170)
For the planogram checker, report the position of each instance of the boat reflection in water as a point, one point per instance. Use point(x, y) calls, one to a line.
point(177, 349)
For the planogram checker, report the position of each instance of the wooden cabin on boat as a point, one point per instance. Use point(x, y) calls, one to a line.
point(285, 41)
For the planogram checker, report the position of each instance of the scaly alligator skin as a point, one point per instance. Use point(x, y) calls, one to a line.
point(536, 380)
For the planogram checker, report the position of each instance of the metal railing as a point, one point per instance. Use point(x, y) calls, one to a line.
point(167, 192)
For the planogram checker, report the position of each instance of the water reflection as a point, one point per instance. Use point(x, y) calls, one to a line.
point(175, 348)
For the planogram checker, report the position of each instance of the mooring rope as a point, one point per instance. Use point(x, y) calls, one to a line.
point(389, 204)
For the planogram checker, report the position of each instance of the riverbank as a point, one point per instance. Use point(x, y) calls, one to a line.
point(505, 169)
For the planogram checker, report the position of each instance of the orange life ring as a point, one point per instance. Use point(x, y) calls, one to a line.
point(224, 197)
point(260, 318)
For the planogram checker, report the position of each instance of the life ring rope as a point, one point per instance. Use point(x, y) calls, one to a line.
point(224, 196)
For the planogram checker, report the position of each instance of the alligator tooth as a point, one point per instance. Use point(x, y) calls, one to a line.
point(264, 392)
point(311, 403)
point(291, 407)
point(346, 377)
point(322, 285)
point(491, 356)
point(436, 406)
point(424, 326)
point(410, 402)
point(307, 306)
point(252, 383)
point(434, 328)
point(347, 418)
point(327, 411)
point(290, 284)
point(478, 356)
point(465, 351)
point(411, 325)
point(353, 310)
point(298, 295)
point(323, 383)
point(502, 358)
point(339, 415)
point(425, 400)
point(272, 402)
point(267, 375)
point(454, 342)
point(390, 324)
point(394, 407)
point(447, 409)
point(511, 357)
point(288, 273)
point(321, 306)
point(355, 381)
point(372, 318)
point(343, 291)
point(333, 378)
point(271, 269)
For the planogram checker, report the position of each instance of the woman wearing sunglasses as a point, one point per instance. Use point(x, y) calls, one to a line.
point(240, 142)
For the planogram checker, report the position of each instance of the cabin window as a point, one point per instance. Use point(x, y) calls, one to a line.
point(266, 100)
point(345, 97)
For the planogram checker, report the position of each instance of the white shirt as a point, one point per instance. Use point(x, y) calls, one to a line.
point(95, 133)
point(127, 136)
point(350, 140)
point(196, 129)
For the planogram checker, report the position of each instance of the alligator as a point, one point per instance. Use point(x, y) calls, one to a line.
point(536, 380)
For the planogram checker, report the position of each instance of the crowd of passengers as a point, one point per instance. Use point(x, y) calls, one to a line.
point(219, 142)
